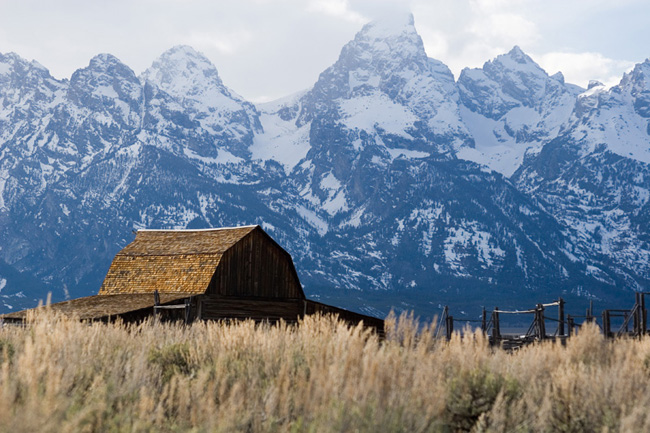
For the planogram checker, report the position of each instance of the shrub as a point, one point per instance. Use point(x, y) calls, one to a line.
point(172, 359)
point(6, 349)
point(473, 393)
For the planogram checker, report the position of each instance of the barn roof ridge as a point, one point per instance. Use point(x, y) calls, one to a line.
point(200, 230)
point(136, 254)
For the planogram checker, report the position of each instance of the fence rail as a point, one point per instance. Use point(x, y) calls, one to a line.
point(634, 322)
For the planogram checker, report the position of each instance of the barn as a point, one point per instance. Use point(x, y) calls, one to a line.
point(209, 274)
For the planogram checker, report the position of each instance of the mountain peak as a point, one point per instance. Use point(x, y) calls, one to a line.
point(184, 56)
point(638, 78)
point(103, 64)
point(514, 62)
point(182, 66)
point(388, 26)
point(11, 57)
point(385, 45)
point(594, 83)
point(559, 77)
point(104, 77)
point(179, 52)
point(103, 61)
point(518, 55)
point(12, 60)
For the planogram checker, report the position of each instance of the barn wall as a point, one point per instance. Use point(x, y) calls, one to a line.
point(214, 308)
point(256, 267)
point(352, 318)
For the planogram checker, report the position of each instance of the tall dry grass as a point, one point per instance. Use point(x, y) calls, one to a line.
point(59, 375)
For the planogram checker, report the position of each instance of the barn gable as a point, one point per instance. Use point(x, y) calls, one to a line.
point(239, 261)
point(256, 266)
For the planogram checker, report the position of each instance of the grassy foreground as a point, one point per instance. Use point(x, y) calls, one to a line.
point(59, 375)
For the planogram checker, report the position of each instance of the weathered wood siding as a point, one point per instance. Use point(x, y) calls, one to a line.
point(256, 267)
point(214, 308)
point(352, 318)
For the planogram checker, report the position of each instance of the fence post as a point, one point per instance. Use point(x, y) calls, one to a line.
point(188, 309)
point(644, 315)
point(496, 328)
point(483, 321)
point(541, 326)
point(606, 327)
point(156, 303)
point(449, 324)
point(570, 324)
point(560, 309)
point(637, 314)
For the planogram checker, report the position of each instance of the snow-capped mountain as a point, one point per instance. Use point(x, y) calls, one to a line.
point(388, 181)
point(185, 98)
point(379, 181)
point(594, 177)
point(512, 107)
point(85, 161)
point(382, 100)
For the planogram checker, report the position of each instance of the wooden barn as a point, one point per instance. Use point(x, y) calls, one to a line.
point(211, 274)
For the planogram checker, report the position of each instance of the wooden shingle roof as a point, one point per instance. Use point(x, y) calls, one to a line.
point(101, 306)
point(170, 261)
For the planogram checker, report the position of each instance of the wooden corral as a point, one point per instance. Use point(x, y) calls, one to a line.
point(632, 322)
point(213, 274)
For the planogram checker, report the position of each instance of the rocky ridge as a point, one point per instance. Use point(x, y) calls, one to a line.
point(391, 184)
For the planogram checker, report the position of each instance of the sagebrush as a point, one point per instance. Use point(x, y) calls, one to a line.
point(60, 375)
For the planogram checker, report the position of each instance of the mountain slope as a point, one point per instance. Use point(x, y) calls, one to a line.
point(594, 178)
point(390, 205)
point(512, 107)
point(387, 180)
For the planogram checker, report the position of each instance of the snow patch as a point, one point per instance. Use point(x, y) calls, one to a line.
point(281, 141)
point(105, 91)
point(223, 157)
point(313, 220)
point(377, 112)
point(337, 203)
point(494, 147)
point(406, 153)
point(463, 242)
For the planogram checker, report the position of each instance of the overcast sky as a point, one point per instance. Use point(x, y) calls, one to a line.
point(265, 49)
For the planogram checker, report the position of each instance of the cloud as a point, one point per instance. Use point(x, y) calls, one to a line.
point(508, 29)
point(336, 8)
point(467, 33)
point(271, 48)
point(224, 42)
point(580, 68)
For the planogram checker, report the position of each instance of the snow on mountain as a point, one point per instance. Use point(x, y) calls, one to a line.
point(389, 183)
point(382, 100)
point(103, 153)
point(512, 107)
point(594, 177)
point(617, 118)
point(384, 84)
point(370, 153)
point(186, 97)
point(281, 140)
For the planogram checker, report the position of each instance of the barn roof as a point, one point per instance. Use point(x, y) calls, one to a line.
point(100, 306)
point(170, 261)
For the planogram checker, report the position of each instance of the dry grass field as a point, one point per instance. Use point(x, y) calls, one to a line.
point(59, 375)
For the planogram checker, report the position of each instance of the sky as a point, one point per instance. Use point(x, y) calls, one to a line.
point(267, 49)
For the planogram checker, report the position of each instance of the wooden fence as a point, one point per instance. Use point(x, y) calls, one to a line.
point(632, 322)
